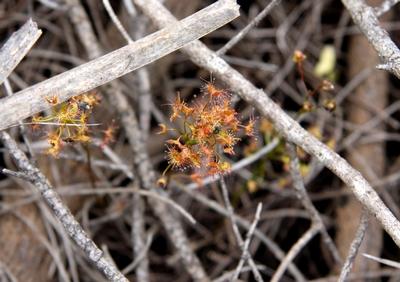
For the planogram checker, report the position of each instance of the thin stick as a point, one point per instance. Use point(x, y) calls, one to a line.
point(366, 19)
point(138, 233)
point(388, 262)
point(234, 40)
point(59, 124)
point(364, 276)
point(294, 250)
point(140, 256)
point(231, 213)
point(115, 159)
point(18, 45)
point(22, 128)
point(246, 244)
point(13, 51)
point(305, 200)
point(138, 237)
point(116, 21)
point(170, 202)
point(355, 245)
point(385, 6)
point(141, 79)
point(17, 174)
point(245, 253)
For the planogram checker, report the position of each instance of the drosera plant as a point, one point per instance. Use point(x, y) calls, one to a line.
point(274, 167)
point(324, 85)
point(68, 122)
point(209, 128)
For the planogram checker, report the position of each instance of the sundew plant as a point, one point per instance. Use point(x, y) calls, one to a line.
point(209, 128)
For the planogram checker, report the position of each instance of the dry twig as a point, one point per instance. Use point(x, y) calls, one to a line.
point(387, 262)
point(305, 200)
point(385, 7)
point(138, 222)
point(62, 213)
point(234, 40)
point(239, 239)
point(294, 250)
point(16, 47)
point(245, 252)
point(355, 245)
point(366, 19)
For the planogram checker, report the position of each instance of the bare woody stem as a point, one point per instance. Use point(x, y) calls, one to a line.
point(294, 251)
point(366, 19)
point(385, 6)
point(88, 38)
point(61, 212)
point(354, 247)
point(305, 200)
point(239, 238)
point(18, 45)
